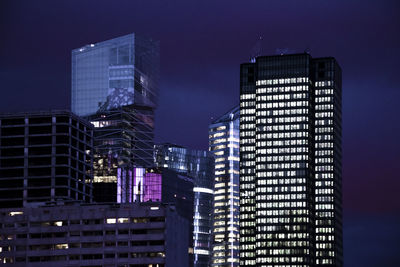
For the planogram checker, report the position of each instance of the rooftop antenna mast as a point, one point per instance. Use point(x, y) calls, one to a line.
point(256, 51)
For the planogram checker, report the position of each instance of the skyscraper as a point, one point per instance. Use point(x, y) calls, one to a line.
point(45, 156)
point(199, 166)
point(327, 77)
point(114, 86)
point(113, 73)
point(224, 144)
point(290, 161)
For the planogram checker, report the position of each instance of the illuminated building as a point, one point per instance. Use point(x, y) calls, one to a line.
point(224, 144)
point(72, 234)
point(45, 156)
point(115, 86)
point(122, 142)
point(199, 166)
point(165, 186)
point(328, 162)
point(290, 162)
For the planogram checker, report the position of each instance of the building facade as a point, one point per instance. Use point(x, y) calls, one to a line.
point(113, 73)
point(45, 156)
point(199, 166)
point(135, 234)
point(328, 162)
point(224, 145)
point(290, 161)
point(123, 141)
point(115, 86)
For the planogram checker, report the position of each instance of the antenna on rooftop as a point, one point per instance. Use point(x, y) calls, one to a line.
point(256, 50)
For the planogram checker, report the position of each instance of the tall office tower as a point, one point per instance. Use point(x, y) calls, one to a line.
point(199, 165)
point(290, 166)
point(224, 144)
point(328, 161)
point(45, 156)
point(114, 85)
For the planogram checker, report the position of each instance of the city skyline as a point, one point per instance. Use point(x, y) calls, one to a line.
point(200, 68)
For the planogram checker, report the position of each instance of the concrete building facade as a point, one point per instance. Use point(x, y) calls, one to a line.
point(45, 156)
point(73, 234)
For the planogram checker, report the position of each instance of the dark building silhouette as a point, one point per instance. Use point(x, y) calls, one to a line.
point(290, 161)
point(45, 156)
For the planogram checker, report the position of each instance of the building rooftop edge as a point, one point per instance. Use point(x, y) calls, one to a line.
point(225, 117)
point(36, 113)
point(91, 45)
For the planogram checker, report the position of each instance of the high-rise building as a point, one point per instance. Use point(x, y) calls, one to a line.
point(45, 156)
point(115, 86)
point(290, 161)
point(123, 141)
point(73, 234)
point(199, 166)
point(117, 72)
point(327, 77)
point(224, 145)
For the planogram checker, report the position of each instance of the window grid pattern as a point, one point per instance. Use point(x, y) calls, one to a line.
point(247, 165)
point(328, 163)
point(295, 150)
point(224, 144)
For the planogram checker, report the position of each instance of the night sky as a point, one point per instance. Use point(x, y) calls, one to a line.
point(202, 45)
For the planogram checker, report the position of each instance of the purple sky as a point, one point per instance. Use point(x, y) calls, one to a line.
point(202, 45)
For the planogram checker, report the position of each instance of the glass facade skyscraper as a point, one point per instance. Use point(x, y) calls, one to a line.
point(224, 145)
point(117, 72)
point(199, 166)
point(290, 162)
point(114, 86)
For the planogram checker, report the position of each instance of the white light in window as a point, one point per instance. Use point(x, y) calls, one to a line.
point(201, 252)
point(111, 220)
point(203, 190)
point(123, 220)
point(14, 213)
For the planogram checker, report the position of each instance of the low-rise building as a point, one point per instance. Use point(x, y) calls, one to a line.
point(76, 234)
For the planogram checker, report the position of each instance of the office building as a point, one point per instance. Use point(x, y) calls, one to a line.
point(162, 185)
point(130, 234)
point(199, 166)
point(290, 161)
point(45, 156)
point(122, 142)
point(224, 145)
point(328, 162)
point(113, 73)
point(115, 86)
